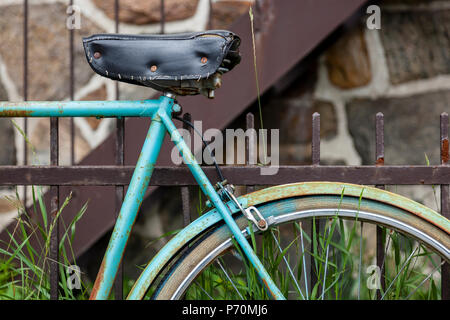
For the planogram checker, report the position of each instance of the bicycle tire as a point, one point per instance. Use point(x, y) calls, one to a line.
point(399, 213)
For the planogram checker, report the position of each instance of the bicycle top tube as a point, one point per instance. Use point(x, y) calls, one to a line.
point(160, 111)
point(99, 109)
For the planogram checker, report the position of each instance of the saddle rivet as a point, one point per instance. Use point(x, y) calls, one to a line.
point(204, 60)
point(97, 55)
point(153, 68)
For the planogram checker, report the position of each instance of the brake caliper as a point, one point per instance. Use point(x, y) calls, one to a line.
point(226, 192)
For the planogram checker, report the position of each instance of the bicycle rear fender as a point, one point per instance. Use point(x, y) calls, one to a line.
point(278, 193)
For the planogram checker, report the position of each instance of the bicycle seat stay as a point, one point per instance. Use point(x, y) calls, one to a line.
point(185, 64)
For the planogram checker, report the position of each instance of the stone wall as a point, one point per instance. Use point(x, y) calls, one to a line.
point(402, 70)
point(48, 70)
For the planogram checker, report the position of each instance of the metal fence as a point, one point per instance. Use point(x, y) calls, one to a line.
point(119, 175)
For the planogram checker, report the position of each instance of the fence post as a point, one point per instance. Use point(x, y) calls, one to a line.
point(185, 199)
point(445, 207)
point(120, 161)
point(315, 224)
point(163, 17)
point(25, 89)
point(54, 204)
point(379, 161)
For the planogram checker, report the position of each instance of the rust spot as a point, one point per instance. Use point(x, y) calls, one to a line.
point(97, 55)
point(380, 161)
point(444, 151)
point(267, 287)
point(99, 280)
point(204, 60)
point(153, 68)
point(261, 223)
point(15, 113)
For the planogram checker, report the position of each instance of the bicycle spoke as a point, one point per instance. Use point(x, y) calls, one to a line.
point(210, 298)
point(326, 265)
point(304, 261)
point(337, 257)
point(229, 279)
point(385, 252)
point(424, 280)
point(360, 261)
point(333, 283)
point(288, 266)
point(395, 278)
point(415, 260)
point(382, 277)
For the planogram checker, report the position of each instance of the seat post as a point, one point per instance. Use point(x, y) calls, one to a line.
point(170, 95)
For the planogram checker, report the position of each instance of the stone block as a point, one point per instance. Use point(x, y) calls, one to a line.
point(348, 62)
point(225, 12)
point(48, 45)
point(141, 12)
point(416, 44)
point(411, 127)
point(7, 137)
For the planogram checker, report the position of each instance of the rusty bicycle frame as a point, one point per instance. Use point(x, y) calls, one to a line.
point(160, 111)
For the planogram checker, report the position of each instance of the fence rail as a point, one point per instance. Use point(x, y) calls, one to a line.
point(238, 175)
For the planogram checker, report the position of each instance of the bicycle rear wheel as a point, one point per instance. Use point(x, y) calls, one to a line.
point(417, 243)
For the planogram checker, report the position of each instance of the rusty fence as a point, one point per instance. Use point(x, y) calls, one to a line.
point(118, 175)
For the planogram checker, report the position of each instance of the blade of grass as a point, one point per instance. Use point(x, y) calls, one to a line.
point(250, 12)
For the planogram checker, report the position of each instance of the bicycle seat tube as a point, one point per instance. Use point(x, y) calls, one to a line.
point(159, 111)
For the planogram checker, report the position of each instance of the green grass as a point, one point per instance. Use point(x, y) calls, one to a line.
point(335, 249)
point(342, 265)
point(24, 258)
point(25, 261)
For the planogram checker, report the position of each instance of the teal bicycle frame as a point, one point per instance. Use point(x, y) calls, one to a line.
point(160, 111)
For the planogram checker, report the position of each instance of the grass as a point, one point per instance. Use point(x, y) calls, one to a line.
point(258, 92)
point(335, 249)
point(25, 261)
point(337, 274)
point(25, 258)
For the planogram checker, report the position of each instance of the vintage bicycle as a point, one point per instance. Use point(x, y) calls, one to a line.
point(194, 63)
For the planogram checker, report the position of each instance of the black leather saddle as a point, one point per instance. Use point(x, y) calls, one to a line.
point(184, 64)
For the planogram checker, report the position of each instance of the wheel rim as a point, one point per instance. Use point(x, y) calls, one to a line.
point(322, 213)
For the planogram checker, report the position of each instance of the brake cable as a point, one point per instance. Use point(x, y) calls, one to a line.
point(251, 213)
point(219, 172)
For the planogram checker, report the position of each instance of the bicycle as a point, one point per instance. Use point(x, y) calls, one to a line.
point(190, 64)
